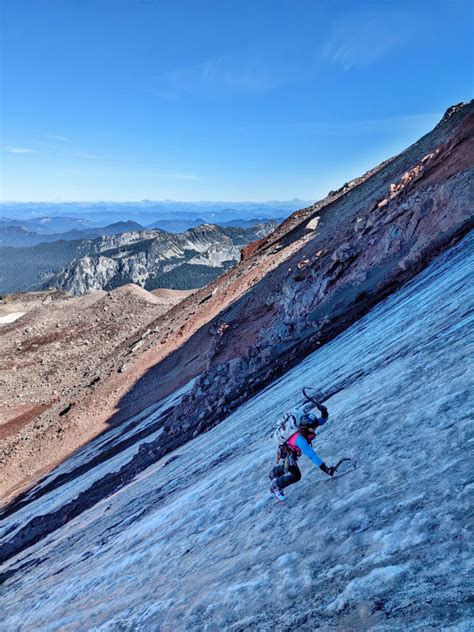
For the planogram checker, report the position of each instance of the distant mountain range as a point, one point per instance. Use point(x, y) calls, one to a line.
point(149, 257)
point(35, 231)
point(16, 233)
point(180, 225)
point(53, 217)
point(43, 225)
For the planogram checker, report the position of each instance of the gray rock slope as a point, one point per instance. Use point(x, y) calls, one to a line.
point(159, 259)
point(151, 258)
point(196, 542)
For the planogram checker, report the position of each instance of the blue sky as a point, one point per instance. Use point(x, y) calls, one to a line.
point(219, 100)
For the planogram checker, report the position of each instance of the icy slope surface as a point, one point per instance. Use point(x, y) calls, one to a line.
point(197, 543)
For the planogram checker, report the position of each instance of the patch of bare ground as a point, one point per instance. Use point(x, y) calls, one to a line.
point(59, 345)
point(171, 296)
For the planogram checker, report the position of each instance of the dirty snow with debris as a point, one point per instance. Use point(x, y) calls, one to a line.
point(198, 543)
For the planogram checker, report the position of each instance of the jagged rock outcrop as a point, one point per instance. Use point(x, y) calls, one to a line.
point(158, 259)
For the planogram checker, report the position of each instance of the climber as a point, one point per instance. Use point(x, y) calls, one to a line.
point(294, 436)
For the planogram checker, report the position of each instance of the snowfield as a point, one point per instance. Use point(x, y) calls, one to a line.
point(10, 318)
point(196, 542)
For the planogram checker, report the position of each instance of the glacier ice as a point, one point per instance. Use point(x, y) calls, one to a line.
point(198, 543)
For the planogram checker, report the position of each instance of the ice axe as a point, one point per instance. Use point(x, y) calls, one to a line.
point(345, 460)
point(314, 398)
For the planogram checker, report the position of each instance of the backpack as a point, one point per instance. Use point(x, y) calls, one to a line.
point(288, 424)
point(285, 428)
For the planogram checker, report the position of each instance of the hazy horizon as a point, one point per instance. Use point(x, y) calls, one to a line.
point(155, 201)
point(147, 211)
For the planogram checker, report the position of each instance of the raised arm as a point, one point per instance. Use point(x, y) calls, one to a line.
point(301, 411)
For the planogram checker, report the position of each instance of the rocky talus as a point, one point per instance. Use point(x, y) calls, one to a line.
point(51, 341)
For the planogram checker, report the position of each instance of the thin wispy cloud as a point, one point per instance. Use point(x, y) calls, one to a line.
point(361, 40)
point(238, 72)
point(366, 125)
point(62, 139)
point(19, 150)
point(158, 169)
point(177, 176)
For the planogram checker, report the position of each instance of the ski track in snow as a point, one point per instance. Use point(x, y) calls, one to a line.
point(198, 543)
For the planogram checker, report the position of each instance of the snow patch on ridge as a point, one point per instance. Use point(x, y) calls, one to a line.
point(10, 318)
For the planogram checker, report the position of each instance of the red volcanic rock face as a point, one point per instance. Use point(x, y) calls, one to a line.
point(366, 244)
point(248, 251)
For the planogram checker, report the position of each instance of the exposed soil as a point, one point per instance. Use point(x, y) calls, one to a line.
point(60, 342)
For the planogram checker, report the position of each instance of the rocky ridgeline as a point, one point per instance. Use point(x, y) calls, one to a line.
point(356, 247)
point(157, 259)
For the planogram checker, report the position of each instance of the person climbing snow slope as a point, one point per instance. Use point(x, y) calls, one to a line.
point(304, 423)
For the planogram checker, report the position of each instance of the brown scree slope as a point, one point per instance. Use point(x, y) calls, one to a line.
point(312, 277)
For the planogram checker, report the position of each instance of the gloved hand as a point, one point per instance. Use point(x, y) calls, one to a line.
point(323, 410)
point(330, 471)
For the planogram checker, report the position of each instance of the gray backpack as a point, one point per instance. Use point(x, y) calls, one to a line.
point(288, 424)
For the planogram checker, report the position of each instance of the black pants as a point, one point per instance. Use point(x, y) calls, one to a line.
point(283, 477)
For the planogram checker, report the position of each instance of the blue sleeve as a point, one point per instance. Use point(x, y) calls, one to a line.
point(307, 450)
